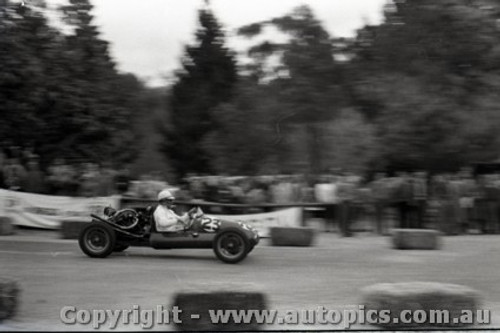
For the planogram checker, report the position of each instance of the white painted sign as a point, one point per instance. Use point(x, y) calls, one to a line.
point(48, 211)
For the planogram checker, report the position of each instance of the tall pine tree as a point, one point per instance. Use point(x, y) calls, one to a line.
point(103, 101)
point(207, 78)
point(308, 82)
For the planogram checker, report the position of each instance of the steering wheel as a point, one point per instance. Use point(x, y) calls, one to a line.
point(192, 214)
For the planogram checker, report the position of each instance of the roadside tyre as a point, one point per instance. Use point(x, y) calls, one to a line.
point(120, 247)
point(231, 247)
point(9, 298)
point(97, 240)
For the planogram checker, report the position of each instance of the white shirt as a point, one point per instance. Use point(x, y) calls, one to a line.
point(326, 193)
point(167, 220)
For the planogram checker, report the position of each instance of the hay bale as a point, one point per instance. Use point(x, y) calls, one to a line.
point(287, 236)
point(9, 300)
point(197, 302)
point(6, 226)
point(71, 229)
point(418, 239)
point(430, 300)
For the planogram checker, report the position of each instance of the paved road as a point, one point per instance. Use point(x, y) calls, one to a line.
point(54, 273)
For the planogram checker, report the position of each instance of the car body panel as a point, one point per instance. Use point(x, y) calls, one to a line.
point(180, 241)
point(200, 234)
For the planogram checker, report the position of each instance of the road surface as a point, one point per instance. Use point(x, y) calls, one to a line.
point(54, 274)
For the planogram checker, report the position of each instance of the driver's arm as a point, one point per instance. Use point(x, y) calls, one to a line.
point(184, 219)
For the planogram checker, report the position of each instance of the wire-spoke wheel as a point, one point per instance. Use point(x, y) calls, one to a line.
point(97, 240)
point(231, 247)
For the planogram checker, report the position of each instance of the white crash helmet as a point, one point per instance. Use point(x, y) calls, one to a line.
point(165, 194)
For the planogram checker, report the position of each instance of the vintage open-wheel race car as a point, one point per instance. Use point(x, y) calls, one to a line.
point(119, 229)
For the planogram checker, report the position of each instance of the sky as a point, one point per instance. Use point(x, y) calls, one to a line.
point(148, 36)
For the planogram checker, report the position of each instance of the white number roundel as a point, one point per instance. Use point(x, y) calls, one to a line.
point(210, 225)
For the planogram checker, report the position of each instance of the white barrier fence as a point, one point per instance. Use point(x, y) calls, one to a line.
point(48, 211)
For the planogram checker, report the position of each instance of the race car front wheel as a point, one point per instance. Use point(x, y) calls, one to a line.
point(231, 247)
point(97, 240)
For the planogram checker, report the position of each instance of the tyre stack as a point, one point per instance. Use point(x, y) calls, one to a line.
point(197, 301)
point(9, 298)
point(416, 239)
point(425, 299)
point(6, 227)
point(287, 236)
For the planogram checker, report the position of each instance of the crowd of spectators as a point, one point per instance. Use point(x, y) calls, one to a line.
point(454, 203)
point(20, 171)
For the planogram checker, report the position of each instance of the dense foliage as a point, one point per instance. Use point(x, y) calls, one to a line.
point(418, 91)
point(206, 79)
point(428, 78)
point(60, 93)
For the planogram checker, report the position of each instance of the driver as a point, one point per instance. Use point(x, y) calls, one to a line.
point(165, 218)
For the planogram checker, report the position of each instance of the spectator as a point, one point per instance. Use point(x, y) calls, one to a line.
point(281, 191)
point(183, 193)
point(3, 161)
point(196, 187)
point(90, 180)
point(491, 191)
point(438, 192)
point(122, 180)
point(106, 184)
point(148, 186)
point(419, 198)
point(306, 191)
point(210, 189)
point(468, 193)
point(256, 197)
point(224, 194)
point(15, 174)
point(380, 199)
point(27, 154)
point(346, 188)
point(62, 178)
point(35, 178)
point(325, 191)
point(237, 193)
point(451, 216)
point(403, 197)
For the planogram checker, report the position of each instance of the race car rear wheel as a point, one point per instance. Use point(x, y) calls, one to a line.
point(231, 247)
point(97, 240)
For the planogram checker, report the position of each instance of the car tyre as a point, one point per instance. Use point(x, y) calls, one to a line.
point(231, 246)
point(97, 240)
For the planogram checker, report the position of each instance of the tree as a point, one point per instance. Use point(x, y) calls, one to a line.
point(350, 142)
point(248, 139)
point(309, 80)
point(103, 103)
point(61, 92)
point(427, 78)
point(29, 50)
point(206, 80)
